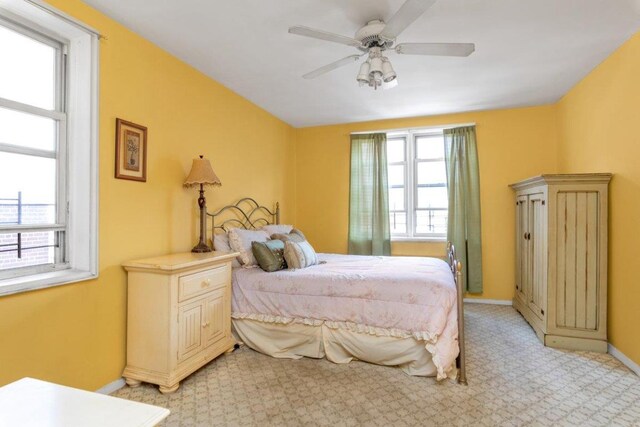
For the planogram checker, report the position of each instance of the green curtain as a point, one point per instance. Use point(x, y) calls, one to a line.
point(463, 185)
point(369, 232)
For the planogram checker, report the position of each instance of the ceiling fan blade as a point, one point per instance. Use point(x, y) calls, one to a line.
point(324, 35)
point(436, 49)
point(408, 12)
point(340, 63)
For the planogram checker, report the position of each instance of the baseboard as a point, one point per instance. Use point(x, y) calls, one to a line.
point(112, 386)
point(488, 301)
point(624, 359)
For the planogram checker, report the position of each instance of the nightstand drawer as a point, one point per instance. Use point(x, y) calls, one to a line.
point(197, 284)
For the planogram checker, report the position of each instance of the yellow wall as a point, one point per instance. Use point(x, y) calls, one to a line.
point(512, 145)
point(75, 334)
point(599, 133)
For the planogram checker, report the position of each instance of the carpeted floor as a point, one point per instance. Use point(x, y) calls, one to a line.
point(513, 380)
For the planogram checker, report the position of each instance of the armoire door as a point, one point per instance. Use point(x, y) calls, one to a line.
point(521, 247)
point(537, 254)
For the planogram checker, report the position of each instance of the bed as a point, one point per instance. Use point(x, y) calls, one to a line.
point(396, 311)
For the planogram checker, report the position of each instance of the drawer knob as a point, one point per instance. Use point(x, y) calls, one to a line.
point(205, 324)
point(205, 283)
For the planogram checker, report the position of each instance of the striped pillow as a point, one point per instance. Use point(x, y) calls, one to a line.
point(299, 254)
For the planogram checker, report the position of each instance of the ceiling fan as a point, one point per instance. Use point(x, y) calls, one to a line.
point(376, 39)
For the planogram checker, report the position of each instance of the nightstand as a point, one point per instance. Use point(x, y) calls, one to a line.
point(178, 316)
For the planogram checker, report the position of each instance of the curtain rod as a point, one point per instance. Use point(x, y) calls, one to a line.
point(449, 126)
point(67, 18)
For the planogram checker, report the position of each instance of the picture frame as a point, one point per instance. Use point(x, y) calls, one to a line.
point(131, 151)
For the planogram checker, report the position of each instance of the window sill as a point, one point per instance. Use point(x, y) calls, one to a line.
point(419, 239)
point(44, 280)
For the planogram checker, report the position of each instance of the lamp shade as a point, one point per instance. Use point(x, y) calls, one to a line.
point(388, 74)
point(375, 71)
point(363, 75)
point(201, 174)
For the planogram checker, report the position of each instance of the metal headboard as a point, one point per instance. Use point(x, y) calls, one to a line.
point(246, 213)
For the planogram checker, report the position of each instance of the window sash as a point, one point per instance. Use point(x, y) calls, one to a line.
point(58, 114)
point(61, 48)
point(59, 262)
point(405, 185)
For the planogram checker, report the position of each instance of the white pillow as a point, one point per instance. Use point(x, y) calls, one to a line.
point(240, 241)
point(277, 229)
point(221, 244)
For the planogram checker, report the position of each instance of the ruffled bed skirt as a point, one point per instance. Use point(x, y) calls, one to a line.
point(340, 342)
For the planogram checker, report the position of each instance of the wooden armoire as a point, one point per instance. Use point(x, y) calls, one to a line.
point(561, 258)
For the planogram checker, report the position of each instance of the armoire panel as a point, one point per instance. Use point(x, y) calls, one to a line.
point(576, 269)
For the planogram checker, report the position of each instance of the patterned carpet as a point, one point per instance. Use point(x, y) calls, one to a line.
point(513, 381)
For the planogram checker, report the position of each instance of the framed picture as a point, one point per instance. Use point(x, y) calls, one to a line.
point(131, 151)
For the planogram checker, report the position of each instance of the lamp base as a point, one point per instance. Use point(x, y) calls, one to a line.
point(201, 248)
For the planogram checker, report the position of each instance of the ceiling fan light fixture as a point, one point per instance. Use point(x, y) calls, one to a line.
point(388, 73)
point(375, 71)
point(390, 85)
point(363, 74)
point(378, 37)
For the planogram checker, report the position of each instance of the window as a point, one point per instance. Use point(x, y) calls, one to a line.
point(48, 164)
point(417, 184)
point(32, 147)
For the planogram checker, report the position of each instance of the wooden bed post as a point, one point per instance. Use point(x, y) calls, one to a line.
point(456, 270)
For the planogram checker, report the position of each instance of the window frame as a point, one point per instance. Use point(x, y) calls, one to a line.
point(79, 128)
point(411, 187)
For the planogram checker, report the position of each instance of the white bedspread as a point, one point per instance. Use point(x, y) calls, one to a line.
point(385, 296)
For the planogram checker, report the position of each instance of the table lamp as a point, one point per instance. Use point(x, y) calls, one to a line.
point(202, 174)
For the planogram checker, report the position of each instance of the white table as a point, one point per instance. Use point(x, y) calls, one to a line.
point(29, 402)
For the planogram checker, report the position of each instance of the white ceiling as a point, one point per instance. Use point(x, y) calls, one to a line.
point(528, 52)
